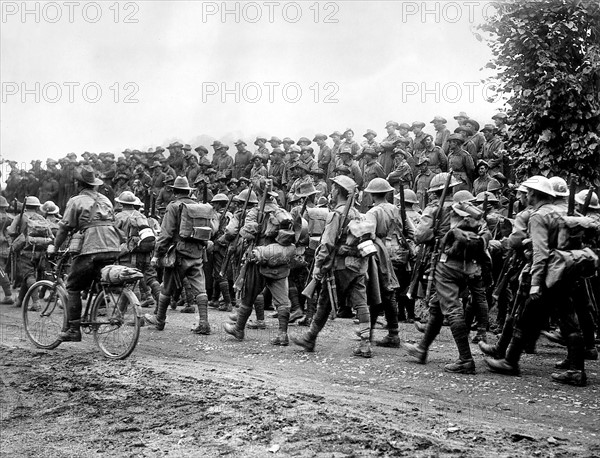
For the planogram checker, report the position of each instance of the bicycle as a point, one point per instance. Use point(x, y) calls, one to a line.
point(112, 313)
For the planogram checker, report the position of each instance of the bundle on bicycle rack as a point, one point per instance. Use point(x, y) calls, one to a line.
point(118, 275)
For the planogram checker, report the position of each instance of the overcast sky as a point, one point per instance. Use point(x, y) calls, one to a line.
point(372, 65)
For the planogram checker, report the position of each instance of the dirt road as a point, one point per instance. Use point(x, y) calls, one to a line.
point(184, 395)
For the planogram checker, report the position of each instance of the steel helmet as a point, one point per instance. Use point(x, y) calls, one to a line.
point(490, 197)
point(463, 196)
point(345, 182)
point(493, 185)
point(127, 198)
point(32, 201)
point(439, 181)
point(50, 208)
point(581, 196)
point(3, 202)
point(540, 183)
point(242, 196)
point(559, 186)
point(410, 197)
point(220, 197)
point(378, 185)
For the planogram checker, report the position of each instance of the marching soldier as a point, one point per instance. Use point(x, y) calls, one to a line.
point(338, 252)
point(5, 222)
point(178, 239)
point(219, 251)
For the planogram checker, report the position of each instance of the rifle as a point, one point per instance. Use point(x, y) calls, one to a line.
point(588, 200)
point(435, 254)
point(153, 206)
point(222, 218)
point(327, 272)
point(486, 207)
point(572, 191)
point(402, 208)
point(205, 193)
point(511, 205)
point(232, 246)
point(14, 255)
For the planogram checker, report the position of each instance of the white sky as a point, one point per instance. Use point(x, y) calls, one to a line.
point(375, 55)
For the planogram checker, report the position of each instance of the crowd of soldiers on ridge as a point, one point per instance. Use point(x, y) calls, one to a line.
point(379, 217)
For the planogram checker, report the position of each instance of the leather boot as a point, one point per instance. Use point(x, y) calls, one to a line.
point(417, 352)
point(311, 306)
point(237, 329)
point(226, 306)
point(282, 339)
point(203, 325)
point(160, 318)
point(571, 377)
point(391, 340)
point(461, 367)
point(364, 349)
point(73, 332)
point(510, 364)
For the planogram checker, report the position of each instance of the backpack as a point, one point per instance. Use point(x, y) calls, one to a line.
point(575, 232)
point(141, 238)
point(39, 234)
point(464, 245)
point(197, 222)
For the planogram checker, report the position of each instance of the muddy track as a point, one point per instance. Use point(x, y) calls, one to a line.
point(186, 395)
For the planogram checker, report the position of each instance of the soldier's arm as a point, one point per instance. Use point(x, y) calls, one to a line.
point(539, 238)
point(168, 228)
point(424, 231)
point(325, 250)
point(250, 228)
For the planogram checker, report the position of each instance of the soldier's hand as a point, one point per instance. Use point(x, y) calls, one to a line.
point(51, 249)
point(535, 293)
point(317, 275)
point(154, 261)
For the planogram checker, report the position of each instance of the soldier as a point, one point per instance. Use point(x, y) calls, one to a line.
point(481, 182)
point(370, 140)
point(476, 137)
point(441, 132)
point(258, 172)
point(543, 231)
point(31, 236)
point(307, 156)
point(500, 123)
point(348, 141)
point(106, 188)
point(422, 180)
point(461, 118)
point(193, 168)
point(242, 160)
point(457, 268)
point(275, 142)
point(50, 211)
point(90, 214)
point(276, 171)
point(387, 221)
point(347, 159)
point(320, 184)
point(138, 246)
point(176, 159)
point(336, 136)
point(289, 174)
point(492, 150)
point(324, 157)
point(5, 222)
point(220, 283)
point(178, 233)
point(402, 172)
point(438, 161)
point(300, 170)
point(468, 145)
point(48, 187)
point(165, 196)
point(267, 265)
point(403, 132)
point(388, 144)
point(261, 148)
point(460, 162)
point(417, 129)
point(371, 170)
point(347, 268)
point(202, 193)
point(222, 162)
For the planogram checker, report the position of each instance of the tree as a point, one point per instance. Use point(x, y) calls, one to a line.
point(547, 63)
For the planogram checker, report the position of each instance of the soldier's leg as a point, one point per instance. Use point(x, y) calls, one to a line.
point(27, 267)
point(356, 294)
point(80, 277)
point(583, 308)
point(5, 284)
point(480, 307)
point(390, 309)
point(190, 295)
point(192, 269)
point(254, 286)
point(279, 290)
point(449, 283)
point(308, 339)
point(168, 289)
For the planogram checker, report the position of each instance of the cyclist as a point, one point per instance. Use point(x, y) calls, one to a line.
point(89, 215)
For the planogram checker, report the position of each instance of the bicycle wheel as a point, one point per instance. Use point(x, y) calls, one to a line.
point(44, 314)
point(115, 323)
